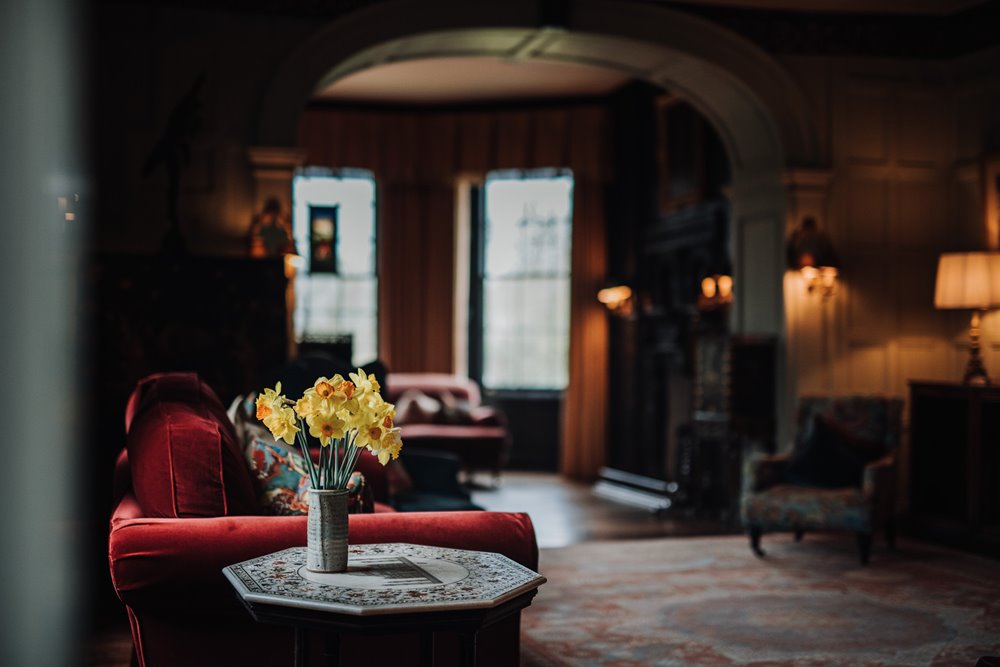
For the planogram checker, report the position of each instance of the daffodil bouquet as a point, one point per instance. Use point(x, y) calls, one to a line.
point(346, 416)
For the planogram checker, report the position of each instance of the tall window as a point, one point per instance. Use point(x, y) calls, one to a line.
point(521, 254)
point(337, 289)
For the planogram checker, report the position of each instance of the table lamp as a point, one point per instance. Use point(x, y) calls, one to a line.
point(969, 280)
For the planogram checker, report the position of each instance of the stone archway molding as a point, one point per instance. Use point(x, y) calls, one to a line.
point(758, 109)
point(761, 114)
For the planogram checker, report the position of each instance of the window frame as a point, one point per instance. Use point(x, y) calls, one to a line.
point(477, 279)
point(341, 173)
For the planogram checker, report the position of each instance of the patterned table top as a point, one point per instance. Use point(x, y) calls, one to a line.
point(385, 579)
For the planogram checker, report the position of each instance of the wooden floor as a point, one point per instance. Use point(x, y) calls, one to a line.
point(566, 513)
point(563, 512)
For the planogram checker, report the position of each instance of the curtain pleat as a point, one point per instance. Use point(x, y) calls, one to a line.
point(416, 158)
point(585, 413)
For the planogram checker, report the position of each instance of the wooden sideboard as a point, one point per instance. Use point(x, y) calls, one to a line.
point(955, 464)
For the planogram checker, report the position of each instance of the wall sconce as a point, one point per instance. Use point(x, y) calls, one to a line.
point(969, 280)
point(617, 299)
point(716, 291)
point(810, 251)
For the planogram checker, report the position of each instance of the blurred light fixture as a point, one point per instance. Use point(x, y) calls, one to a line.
point(617, 299)
point(969, 280)
point(810, 251)
point(716, 291)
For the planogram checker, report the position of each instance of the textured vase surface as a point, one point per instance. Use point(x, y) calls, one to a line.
point(326, 537)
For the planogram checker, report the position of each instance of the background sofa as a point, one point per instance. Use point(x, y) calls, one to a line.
point(185, 508)
point(454, 420)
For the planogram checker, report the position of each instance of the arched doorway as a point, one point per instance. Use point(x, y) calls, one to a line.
point(751, 101)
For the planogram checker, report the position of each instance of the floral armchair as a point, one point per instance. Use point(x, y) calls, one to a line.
point(840, 474)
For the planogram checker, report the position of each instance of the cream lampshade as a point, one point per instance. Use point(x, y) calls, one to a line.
point(969, 280)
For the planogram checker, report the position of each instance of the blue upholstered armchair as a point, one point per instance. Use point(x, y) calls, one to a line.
point(840, 474)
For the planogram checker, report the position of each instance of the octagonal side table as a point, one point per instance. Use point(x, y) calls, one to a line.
point(387, 588)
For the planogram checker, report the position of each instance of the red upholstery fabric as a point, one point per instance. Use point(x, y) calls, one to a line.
point(169, 574)
point(166, 565)
point(481, 445)
point(176, 388)
point(434, 385)
point(183, 453)
point(478, 447)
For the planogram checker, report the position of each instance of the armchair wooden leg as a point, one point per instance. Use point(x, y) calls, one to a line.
point(798, 534)
point(864, 547)
point(890, 533)
point(755, 533)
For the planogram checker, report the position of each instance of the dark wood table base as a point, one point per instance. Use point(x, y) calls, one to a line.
point(333, 626)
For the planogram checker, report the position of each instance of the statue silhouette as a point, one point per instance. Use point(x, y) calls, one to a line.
point(173, 151)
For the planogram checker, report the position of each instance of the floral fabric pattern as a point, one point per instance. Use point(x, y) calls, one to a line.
point(282, 482)
point(770, 503)
point(280, 477)
point(785, 506)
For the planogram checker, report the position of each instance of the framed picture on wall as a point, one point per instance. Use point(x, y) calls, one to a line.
point(991, 195)
point(323, 239)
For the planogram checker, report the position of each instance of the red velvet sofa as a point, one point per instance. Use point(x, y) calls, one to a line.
point(185, 509)
point(477, 434)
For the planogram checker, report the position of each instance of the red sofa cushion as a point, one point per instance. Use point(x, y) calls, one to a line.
point(184, 457)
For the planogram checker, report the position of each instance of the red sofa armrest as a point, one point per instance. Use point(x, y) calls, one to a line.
point(177, 563)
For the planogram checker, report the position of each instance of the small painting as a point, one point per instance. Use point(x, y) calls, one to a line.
point(323, 239)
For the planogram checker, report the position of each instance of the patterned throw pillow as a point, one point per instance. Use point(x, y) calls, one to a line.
point(282, 481)
point(280, 477)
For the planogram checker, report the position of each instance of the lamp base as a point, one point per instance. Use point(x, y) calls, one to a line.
point(975, 371)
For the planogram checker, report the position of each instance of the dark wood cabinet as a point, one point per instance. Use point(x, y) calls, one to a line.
point(734, 412)
point(955, 464)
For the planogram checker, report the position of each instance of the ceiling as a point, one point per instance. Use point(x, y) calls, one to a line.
point(552, 63)
point(931, 7)
point(463, 80)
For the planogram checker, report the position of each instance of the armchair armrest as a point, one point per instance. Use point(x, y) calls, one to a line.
point(879, 482)
point(764, 470)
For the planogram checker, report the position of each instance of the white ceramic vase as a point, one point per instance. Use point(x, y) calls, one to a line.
point(326, 537)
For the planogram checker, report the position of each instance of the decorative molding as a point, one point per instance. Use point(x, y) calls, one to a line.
point(275, 162)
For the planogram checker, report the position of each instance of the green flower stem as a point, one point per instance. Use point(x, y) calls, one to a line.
point(351, 453)
point(336, 463)
point(322, 467)
point(331, 457)
point(304, 446)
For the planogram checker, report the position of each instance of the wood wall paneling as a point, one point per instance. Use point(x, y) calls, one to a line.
point(866, 214)
point(869, 311)
point(918, 204)
point(920, 119)
point(759, 249)
point(914, 277)
point(865, 123)
point(868, 368)
point(923, 358)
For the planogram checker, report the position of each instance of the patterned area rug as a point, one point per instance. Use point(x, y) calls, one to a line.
point(709, 601)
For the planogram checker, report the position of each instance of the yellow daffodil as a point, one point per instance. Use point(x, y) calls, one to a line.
point(304, 407)
point(282, 424)
point(326, 426)
point(335, 409)
point(269, 401)
point(370, 436)
point(392, 442)
point(364, 382)
point(346, 389)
